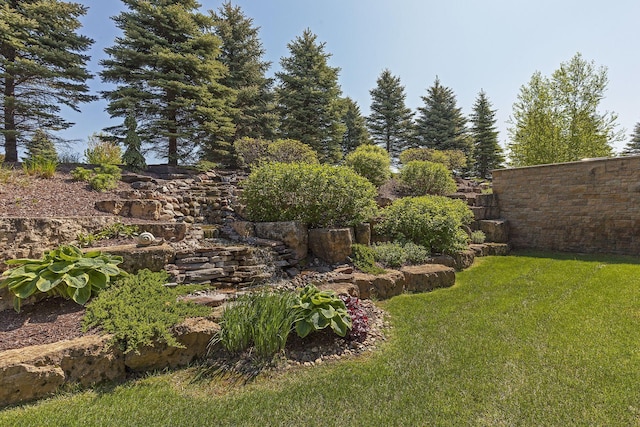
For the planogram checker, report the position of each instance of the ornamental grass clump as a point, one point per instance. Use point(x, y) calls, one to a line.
point(64, 271)
point(319, 195)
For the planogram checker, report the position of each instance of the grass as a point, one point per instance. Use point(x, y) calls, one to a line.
point(533, 339)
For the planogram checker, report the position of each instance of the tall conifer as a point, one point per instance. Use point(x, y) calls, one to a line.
point(356, 133)
point(42, 67)
point(633, 147)
point(487, 152)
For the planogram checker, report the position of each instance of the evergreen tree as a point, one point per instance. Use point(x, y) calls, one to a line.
point(487, 152)
point(556, 119)
point(242, 52)
point(132, 157)
point(390, 122)
point(308, 98)
point(42, 67)
point(441, 124)
point(356, 133)
point(633, 147)
point(165, 64)
point(40, 148)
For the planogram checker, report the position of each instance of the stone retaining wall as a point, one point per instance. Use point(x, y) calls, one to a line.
point(587, 206)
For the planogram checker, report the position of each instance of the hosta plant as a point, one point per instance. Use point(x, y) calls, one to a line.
point(64, 271)
point(320, 309)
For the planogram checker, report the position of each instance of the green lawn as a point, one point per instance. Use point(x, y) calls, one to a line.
point(530, 340)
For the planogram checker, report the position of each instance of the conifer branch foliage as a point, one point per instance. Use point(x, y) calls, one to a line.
point(308, 98)
point(42, 67)
point(633, 147)
point(390, 122)
point(487, 152)
point(165, 64)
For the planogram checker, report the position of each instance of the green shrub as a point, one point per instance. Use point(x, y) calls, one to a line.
point(318, 195)
point(290, 151)
point(64, 271)
point(478, 237)
point(102, 152)
point(250, 151)
point(364, 259)
point(424, 178)
point(320, 309)
point(139, 310)
point(397, 254)
point(40, 167)
point(104, 177)
point(260, 320)
point(40, 149)
point(431, 221)
point(452, 159)
point(372, 162)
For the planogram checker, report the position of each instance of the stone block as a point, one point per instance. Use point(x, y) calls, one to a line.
point(381, 286)
point(140, 257)
point(341, 288)
point(496, 230)
point(426, 277)
point(332, 245)
point(293, 234)
point(363, 233)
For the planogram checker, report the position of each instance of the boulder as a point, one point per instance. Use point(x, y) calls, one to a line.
point(332, 245)
point(363, 233)
point(136, 258)
point(293, 234)
point(381, 286)
point(341, 288)
point(426, 277)
point(496, 230)
point(193, 334)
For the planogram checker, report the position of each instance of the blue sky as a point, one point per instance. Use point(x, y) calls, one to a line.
point(495, 45)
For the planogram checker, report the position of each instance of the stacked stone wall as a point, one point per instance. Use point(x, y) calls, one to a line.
point(588, 206)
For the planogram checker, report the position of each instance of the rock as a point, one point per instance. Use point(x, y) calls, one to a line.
point(363, 233)
point(341, 288)
point(137, 258)
point(426, 277)
point(243, 228)
point(293, 234)
point(447, 260)
point(197, 276)
point(194, 334)
point(499, 249)
point(33, 372)
point(332, 245)
point(210, 300)
point(381, 286)
point(110, 206)
point(464, 259)
point(496, 230)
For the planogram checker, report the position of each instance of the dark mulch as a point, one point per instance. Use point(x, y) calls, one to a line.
point(48, 321)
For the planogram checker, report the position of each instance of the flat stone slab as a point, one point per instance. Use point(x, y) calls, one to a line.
point(379, 286)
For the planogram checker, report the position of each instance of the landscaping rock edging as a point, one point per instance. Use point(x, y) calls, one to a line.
point(34, 372)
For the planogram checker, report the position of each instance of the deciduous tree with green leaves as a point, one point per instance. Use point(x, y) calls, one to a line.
point(487, 152)
point(390, 122)
point(42, 67)
point(440, 124)
point(241, 52)
point(308, 98)
point(556, 119)
point(165, 66)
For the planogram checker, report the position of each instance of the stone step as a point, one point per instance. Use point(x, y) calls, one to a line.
point(495, 230)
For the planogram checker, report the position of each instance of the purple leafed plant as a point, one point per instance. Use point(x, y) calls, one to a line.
point(359, 320)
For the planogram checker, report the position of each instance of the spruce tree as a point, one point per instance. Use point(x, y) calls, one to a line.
point(40, 148)
point(165, 65)
point(242, 53)
point(486, 149)
point(390, 122)
point(356, 133)
point(633, 147)
point(441, 124)
point(42, 67)
point(308, 98)
point(132, 157)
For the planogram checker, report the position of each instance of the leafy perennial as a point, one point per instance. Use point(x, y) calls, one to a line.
point(319, 309)
point(64, 271)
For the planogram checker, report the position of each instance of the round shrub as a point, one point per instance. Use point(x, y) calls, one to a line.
point(100, 151)
point(452, 159)
point(372, 162)
point(319, 195)
point(431, 221)
point(424, 178)
point(250, 150)
point(291, 151)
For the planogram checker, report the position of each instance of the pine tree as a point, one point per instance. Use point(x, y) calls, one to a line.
point(165, 65)
point(40, 148)
point(356, 133)
point(633, 147)
point(132, 157)
point(390, 122)
point(441, 124)
point(242, 53)
point(42, 67)
point(308, 98)
point(487, 152)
